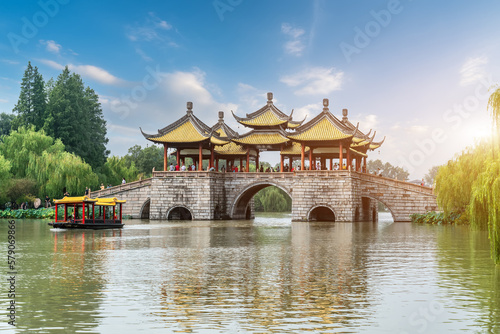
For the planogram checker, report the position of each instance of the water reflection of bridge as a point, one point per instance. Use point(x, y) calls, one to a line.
point(316, 195)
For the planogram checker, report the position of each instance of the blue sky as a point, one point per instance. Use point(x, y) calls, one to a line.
point(418, 72)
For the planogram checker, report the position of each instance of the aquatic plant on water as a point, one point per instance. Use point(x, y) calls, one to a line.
point(436, 218)
point(48, 213)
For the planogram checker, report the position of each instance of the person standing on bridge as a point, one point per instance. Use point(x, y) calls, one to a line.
point(123, 180)
point(102, 186)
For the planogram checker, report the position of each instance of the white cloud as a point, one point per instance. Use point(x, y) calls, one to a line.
point(366, 122)
point(149, 30)
point(3, 101)
point(51, 46)
point(473, 70)
point(88, 71)
point(295, 46)
point(309, 111)
point(418, 129)
point(10, 62)
point(315, 81)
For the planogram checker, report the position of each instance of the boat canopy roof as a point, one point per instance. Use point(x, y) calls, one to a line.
point(75, 200)
point(84, 199)
point(112, 201)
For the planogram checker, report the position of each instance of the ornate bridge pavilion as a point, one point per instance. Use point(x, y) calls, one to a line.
point(348, 194)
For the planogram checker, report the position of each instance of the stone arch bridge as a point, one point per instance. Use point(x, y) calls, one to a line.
point(316, 195)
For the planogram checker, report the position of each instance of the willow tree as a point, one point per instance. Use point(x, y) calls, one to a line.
point(484, 208)
point(61, 170)
point(23, 144)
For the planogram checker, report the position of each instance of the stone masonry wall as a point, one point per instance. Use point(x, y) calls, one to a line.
point(209, 195)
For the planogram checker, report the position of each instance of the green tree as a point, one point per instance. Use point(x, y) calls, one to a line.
point(431, 175)
point(74, 115)
point(23, 144)
point(36, 156)
point(4, 169)
point(117, 168)
point(5, 123)
point(61, 170)
point(272, 199)
point(388, 170)
point(32, 102)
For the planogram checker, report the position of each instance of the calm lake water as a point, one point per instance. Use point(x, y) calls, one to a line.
point(268, 275)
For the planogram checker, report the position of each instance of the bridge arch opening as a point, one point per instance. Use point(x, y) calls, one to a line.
point(242, 206)
point(372, 209)
point(145, 209)
point(321, 213)
point(179, 213)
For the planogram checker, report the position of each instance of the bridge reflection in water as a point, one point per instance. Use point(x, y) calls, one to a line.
point(316, 195)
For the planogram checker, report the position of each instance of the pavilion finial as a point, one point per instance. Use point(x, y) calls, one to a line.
point(189, 107)
point(269, 98)
point(326, 102)
point(221, 116)
point(344, 115)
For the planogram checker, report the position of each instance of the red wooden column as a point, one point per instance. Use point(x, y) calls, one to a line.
point(281, 159)
point(310, 158)
point(217, 164)
point(341, 157)
point(241, 164)
point(348, 158)
point(56, 212)
point(179, 158)
point(211, 164)
point(200, 158)
point(165, 157)
point(257, 161)
point(302, 150)
point(364, 165)
point(248, 160)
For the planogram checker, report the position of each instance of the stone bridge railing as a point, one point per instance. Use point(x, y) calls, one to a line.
point(393, 183)
point(120, 188)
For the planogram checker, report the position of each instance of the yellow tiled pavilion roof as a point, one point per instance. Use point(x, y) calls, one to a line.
point(324, 130)
point(294, 149)
point(185, 133)
point(360, 153)
point(266, 119)
point(230, 149)
point(265, 138)
point(294, 125)
point(221, 133)
point(217, 141)
point(360, 144)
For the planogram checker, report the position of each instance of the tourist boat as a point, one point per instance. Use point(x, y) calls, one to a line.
point(88, 213)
